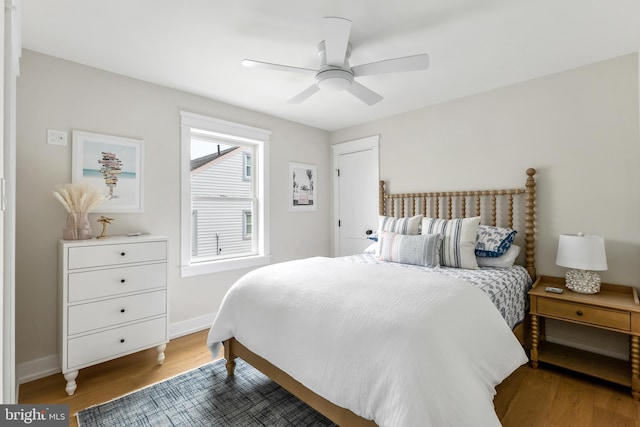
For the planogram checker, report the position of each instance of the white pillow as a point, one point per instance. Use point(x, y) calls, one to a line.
point(371, 249)
point(421, 249)
point(506, 260)
point(406, 225)
point(458, 241)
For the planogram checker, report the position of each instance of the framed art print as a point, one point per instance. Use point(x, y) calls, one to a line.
point(112, 164)
point(303, 188)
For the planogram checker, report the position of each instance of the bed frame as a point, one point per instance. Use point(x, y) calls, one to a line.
point(488, 204)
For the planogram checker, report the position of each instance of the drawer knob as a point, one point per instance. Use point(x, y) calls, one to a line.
point(122, 280)
point(579, 313)
point(123, 253)
point(122, 310)
point(121, 340)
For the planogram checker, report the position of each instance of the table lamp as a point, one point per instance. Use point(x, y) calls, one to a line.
point(583, 254)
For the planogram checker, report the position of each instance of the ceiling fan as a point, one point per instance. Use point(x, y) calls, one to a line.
point(335, 73)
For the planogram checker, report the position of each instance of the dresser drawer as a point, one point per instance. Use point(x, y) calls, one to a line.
point(94, 348)
point(114, 254)
point(119, 280)
point(115, 311)
point(585, 313)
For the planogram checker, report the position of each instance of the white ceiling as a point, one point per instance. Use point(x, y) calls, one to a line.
point(197, 46)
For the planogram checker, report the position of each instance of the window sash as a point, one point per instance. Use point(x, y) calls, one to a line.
point(236, 134)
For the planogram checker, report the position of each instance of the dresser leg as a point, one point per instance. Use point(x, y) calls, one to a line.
point(534, 341)
point(71, 382)
point(161, 349)
point(635, 366)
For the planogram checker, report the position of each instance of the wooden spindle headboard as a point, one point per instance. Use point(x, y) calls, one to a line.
point(495, 207)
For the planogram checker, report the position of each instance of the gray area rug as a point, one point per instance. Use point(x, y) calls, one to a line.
point(205, 396)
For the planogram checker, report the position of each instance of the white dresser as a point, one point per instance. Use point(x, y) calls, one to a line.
point(113, 300)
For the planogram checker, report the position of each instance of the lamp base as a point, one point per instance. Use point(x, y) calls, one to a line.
point(583, 282)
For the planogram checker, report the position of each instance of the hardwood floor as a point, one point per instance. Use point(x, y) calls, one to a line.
point(545, 397)
point(106, 381)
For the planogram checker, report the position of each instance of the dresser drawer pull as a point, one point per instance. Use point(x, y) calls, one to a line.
point(579, 313)
point(122, 280)
point(123, 253)
point(121, 340)
point(122, 310)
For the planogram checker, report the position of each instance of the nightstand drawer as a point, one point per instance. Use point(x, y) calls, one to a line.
point(113, 254)
point(585, 313)
point(115, 311)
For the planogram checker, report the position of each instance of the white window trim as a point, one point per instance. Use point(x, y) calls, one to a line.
point(238, 132)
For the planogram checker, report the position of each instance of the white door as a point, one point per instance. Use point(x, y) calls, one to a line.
point(356, 190)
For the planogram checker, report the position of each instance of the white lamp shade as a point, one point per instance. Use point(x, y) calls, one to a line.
point(582, 252)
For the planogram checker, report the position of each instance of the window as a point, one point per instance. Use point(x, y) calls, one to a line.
point(224, 197)
point(247, 229)
point(246, 162)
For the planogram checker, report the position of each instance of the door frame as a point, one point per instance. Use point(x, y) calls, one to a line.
point(362, 144)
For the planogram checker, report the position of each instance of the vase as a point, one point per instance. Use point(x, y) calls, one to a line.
point(77, 227)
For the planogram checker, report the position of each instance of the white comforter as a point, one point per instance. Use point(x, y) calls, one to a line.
point(403, 348)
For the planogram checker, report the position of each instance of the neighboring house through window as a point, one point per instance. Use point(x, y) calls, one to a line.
point(224, 203)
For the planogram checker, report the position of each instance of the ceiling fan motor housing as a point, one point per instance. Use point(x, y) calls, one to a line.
point(334, 79)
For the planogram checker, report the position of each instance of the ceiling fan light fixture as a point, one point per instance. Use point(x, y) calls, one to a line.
point(334, 79)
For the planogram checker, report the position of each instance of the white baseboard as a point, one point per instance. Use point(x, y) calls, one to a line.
point(190, 326)
point(50, 365)
point(39, 368)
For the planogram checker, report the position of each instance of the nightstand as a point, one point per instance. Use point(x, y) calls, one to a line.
point(615, 308)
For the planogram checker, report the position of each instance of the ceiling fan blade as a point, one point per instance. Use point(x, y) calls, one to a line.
point(336, 39)
point(406, 63)
point(364, 94)
point(302, 96)
point(250, 63)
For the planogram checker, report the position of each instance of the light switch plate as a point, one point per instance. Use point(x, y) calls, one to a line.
point(56, 137)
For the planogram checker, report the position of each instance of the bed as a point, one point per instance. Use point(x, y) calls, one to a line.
point(367, 341)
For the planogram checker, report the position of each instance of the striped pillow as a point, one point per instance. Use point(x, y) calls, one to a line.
point(458, 240)
point(420, 249)
point(407, 225)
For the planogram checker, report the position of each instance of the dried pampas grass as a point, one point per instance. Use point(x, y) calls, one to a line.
point(80, 197)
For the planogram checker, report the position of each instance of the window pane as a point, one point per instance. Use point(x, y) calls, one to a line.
point(223, 196)
point(220, 228)
point(220, 173)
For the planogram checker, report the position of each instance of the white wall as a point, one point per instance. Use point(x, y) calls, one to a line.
point(578, 128)
point(57, 94)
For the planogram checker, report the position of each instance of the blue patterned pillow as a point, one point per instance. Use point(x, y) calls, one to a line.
point(493, 241)
point(421, 249)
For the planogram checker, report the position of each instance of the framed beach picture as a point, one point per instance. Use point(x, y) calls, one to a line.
point(112, 164)
point(303, 187)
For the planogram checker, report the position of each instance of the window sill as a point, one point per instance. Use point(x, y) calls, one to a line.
point(224, 265)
